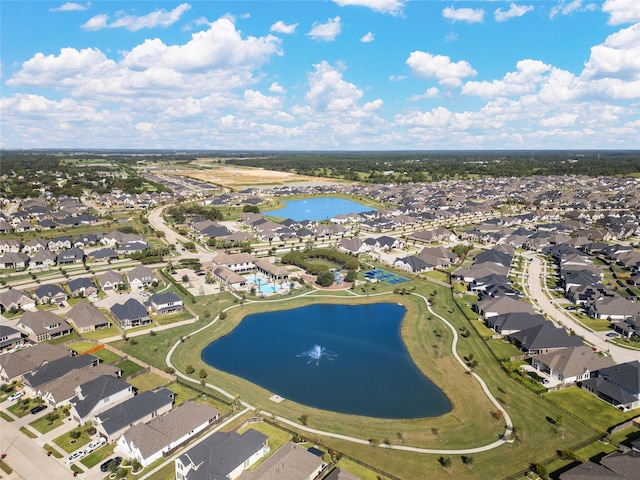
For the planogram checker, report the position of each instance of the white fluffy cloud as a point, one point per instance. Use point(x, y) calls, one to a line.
point(393, 7)
point(426, 65)
point(469, 15)
point(515, 10)
point(622, 11)
point(565, 7)
point(326, 31)
point(71, 7)
point(281, 27)
point(368, 37)
point(526, 78)
point(133, 23)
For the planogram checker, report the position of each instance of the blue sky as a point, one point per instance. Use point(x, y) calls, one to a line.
point(321, 75)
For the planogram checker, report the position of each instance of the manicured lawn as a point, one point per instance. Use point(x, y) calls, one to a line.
point(277, 437)
point(54, 451)
point(98, 456)
point(362, 472)
point(28, 432)
point(168, 472)
point(167, 319)
point(503, 349)
point(128, 368)
point(81, 346)
point(148, 381)
point(111, 331)
point(107, 356)
point(43, 425)
point(6, 417)
point(590, 409)
point(183, 393)
point(64, 440)
point(23, 406)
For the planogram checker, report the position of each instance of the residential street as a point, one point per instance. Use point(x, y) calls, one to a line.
point(534, 278)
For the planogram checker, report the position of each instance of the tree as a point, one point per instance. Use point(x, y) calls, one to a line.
point(202, 373)
point(75, 435)
point(467, 460)
point(250, 209)
point(445, 462)
point(304, 418)
point(185, 278)
point(325, 279)
point(560, 424)
point(189, 369)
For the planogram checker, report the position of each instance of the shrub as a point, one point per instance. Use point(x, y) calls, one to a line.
point(190, 369)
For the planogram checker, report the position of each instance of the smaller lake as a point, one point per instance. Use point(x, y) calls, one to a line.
point(343, 358)
point(321, 208)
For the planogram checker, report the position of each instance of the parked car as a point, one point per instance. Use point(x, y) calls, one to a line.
point(74, 456)
point(15, 396)
point(94, 445)
point(38, 409)
point(106, 465)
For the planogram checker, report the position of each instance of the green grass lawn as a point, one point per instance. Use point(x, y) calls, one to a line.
point(6, 417)
point(503, 349)
point(43, 425)
point(362, 472)
point(28, 432)
point(54, 452)
point(101, 333)
point(148, 381)
point(107, 356)
point(64, 440)
point(23, 406)
point(184, 394)
point(81, 346)
point(177, 317)
point(98, 456)
point(128, 368)
point(597, 413)
point(277, 438)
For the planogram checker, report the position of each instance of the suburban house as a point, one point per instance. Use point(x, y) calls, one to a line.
point(544, 338)
point(141, 408)
point(53, 370)
point(10, 338)
point(98, 395)
point(147, 442)
point(59, 243)
point(570, 365)
point(413, 264)
point(130, 313)
point(289, 462)
point(14, 260)
point(111, 280)
point(103, 255)
point(14, 299)
point(15, 364)
point(42, 325)
point(82, 287)
point(354, 246)
point(35, 245)
point(71, 256)
point(613, 308)
point(141, 277)
point(86, 317)
point(43, 259)
point(10, 245)
point(222, 455)
point(50, 294)
point(493, 306)
point(166, 303)
point(60, 391)
point(339, 474)
point(509, 323)
point(618, 385)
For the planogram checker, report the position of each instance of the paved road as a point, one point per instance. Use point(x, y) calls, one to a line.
point(535, 273)
point(156, 221)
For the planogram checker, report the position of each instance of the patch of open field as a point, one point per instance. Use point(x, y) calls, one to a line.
point(234, 176)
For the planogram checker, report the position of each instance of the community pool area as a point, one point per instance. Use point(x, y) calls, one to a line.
point(385, 276)
point(264, 285)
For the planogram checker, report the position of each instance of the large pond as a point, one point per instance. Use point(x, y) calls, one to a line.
point(321, 208)
point(343, 358)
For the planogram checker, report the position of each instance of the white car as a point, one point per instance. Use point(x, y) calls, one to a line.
point(95, 445)
point(75, 456)
point(15, 396)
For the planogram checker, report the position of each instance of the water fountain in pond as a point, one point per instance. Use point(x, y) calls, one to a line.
point(316, 353)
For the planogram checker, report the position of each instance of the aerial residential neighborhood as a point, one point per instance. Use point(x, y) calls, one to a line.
point(103, 343)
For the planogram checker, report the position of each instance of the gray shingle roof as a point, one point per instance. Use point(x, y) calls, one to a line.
point(221, 453)
point(96, 390)
point(57, 368)
point(132, 410)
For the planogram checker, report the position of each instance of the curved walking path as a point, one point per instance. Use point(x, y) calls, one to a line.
point(505, 438)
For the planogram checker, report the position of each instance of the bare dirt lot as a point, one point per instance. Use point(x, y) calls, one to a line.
point(233, 176)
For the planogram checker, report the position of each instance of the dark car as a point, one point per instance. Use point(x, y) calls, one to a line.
point(38, 409)
point(112, 461)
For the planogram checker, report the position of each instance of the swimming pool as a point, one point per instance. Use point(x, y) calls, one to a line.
point(263, 284)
